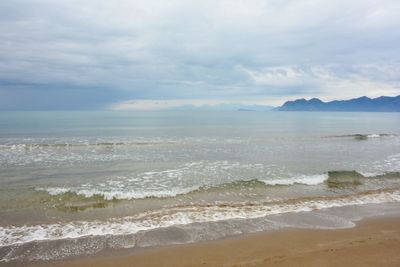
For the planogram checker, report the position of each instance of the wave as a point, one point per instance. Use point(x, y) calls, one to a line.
point(98, 196)
point(337, 179)
point(182, 215)
point(299, 180)
point(117, 194)
point(344, 178)
point(296, 180)
point(121, 194)
point(363, 136)
point(30, 146)
point(16, 144)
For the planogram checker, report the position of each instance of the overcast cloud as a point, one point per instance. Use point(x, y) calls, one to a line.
point(101, 54)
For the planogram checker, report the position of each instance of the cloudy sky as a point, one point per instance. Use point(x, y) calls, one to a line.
point(124, 54)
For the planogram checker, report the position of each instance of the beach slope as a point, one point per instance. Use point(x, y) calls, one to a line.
point(374, 242)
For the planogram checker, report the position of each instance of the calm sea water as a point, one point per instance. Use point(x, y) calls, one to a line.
point(116, 176)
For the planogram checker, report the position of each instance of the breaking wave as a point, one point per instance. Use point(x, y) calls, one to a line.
point(181, 215)
point(353, 178)
point(333, 179)
point(363, 136)
point(121, 194)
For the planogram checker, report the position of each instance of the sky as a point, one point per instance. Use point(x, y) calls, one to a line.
point(145, 55)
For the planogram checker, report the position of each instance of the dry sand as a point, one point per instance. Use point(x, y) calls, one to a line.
point(373, 242)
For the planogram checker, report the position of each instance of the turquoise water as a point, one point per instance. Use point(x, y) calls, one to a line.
point(77, 174)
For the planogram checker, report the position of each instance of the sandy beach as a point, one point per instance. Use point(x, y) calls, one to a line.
point(373, 242)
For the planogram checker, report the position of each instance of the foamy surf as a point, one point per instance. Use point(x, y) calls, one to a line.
point(299, 179)
point(121, 193)
point(124, 190)
point(116, 193)
point(182, 215)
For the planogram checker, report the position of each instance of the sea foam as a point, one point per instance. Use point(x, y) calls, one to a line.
point(181, 215)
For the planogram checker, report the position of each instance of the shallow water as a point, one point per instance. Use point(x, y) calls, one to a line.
point(78, 174)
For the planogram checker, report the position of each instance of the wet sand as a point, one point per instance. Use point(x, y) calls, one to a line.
point(373, 242)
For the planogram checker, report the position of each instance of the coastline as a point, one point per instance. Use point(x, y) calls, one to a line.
point(371, 242)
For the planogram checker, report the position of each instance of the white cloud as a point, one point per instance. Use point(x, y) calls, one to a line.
point(278, 76)
point(331, 82)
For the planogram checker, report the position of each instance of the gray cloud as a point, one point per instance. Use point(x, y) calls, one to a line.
point(92, 54)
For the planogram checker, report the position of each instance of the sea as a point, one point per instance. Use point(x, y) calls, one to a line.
point(76, 183)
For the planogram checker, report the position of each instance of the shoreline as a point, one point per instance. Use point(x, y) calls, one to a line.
point(371, 242)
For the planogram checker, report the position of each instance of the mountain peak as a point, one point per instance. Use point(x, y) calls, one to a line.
point(315, 100)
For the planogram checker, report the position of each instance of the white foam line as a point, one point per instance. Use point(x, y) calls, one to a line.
point(117, 193)
point(176, 216)
point(301, 179)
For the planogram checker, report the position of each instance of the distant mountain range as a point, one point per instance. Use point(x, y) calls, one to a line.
point(361, 104)
point(225, 107)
